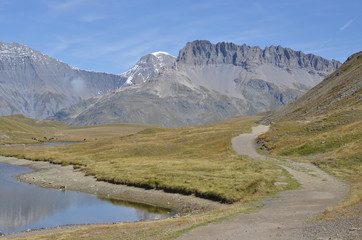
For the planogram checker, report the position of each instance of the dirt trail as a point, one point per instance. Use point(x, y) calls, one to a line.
point(283, 217)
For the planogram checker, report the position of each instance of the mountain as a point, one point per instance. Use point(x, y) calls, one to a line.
point(340, 92)
point(207, 83)
point(266, 78)
point(38, 86)
point(148, 67)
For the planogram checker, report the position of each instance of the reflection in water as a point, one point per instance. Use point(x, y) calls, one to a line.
point(143, 211)
point(60, 143)
point(24, 206)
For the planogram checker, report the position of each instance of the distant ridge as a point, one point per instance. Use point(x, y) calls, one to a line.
point(38, 86)
point(206, 83)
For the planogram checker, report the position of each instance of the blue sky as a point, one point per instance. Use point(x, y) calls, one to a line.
point(111, 35)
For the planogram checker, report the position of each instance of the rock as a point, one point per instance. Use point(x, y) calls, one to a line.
point(205, 53)
point(280, 183)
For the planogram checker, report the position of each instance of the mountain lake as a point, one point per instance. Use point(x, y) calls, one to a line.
point(25, 206)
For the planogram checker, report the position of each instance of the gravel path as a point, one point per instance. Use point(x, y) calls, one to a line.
point(283, 217)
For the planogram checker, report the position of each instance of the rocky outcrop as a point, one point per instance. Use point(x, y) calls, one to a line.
point(203, 53)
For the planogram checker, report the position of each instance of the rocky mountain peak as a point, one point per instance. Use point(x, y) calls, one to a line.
point(148, 67)
point(16, 53)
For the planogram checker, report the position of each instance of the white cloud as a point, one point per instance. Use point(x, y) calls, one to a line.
point(89, 18)
point(345, 26)
point(57, 8)
point(78, 85)
point(62, 44)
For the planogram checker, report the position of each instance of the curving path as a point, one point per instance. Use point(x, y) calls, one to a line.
point(283, 217)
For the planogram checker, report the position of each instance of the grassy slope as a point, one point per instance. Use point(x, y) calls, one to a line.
point(190, 160)
point(18, 129)
point(325, 127)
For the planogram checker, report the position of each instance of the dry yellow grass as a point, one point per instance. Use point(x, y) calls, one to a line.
point(18, 129)
point(332, 142)
point(189, 160)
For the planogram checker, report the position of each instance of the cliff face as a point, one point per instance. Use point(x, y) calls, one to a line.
point(38, 86)
point(205, 53)
point(205, 84)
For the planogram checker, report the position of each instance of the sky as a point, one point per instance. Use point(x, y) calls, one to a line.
point(112, 35)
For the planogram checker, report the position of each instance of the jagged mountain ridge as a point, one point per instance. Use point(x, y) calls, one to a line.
point(38, 86)
point(202, 52)
point(205, 84)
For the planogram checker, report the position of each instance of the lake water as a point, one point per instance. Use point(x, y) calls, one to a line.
point(59, 143)
point(24, 206)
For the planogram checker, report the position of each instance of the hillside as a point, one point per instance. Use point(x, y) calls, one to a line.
point(207, 83)
point(325, 126)
point(342, 90)
point(18, 129)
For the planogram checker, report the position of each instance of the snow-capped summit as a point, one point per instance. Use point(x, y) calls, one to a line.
point(15, 53)
point(160, 53)
point(148, 67)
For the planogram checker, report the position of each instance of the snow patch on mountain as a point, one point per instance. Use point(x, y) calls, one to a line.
point(148, 67)
point(160, 53)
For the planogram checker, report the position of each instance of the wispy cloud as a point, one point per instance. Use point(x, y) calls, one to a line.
point(265, 20)
point(4, 4)
point(57, 8)
point(90, 18)
point(250, 35)
point(310, 45)
point(61, 44)
point(345, 26)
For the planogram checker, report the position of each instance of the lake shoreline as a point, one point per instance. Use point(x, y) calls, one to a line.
point(50, 175)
